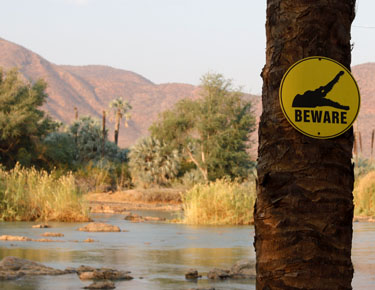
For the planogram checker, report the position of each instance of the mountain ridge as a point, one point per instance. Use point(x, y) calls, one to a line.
point(90, 88)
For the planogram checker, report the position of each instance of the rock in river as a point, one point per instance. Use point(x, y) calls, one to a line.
point(48, 234)
point(210, 288)
point(13, 268)
point(99, 227)
point(89, 273)
point(14, 238)
point(192, 274)
point(140, 219)
point(101, 285)
point(244, 269)
point(217, 274)
point(41, 226)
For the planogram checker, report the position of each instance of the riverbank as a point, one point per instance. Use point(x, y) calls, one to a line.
point(162, 199)
point(157, 254)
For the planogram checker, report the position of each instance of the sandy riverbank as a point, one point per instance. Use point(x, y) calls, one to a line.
point(164, 199)
point(152, 199)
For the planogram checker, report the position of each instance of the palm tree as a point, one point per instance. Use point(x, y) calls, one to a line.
point(120, 109)
point(304, 209)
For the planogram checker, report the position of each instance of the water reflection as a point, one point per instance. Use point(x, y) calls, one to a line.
point(157, 254)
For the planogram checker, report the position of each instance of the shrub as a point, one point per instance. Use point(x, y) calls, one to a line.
point(60, 150)
point(23, 124)
point(192, 178)
point(103, 176)
point(364, 195)
point(151, 163)
point(220, 202)
point(29, 194)
point(362, 167)
point(87, 134)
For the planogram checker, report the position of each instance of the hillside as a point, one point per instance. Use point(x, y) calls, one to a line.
point(91, 88)
point(365, 77)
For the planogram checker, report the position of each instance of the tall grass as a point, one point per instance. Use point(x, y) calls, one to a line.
point(29, 194)
point(220, 203)
point(103, 177)
point(364, 195)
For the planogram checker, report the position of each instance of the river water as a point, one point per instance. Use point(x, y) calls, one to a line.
point(157, 254)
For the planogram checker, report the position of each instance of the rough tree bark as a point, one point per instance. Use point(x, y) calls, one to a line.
point(304, 209)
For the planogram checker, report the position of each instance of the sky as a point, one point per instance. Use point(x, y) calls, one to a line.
point(162, 40)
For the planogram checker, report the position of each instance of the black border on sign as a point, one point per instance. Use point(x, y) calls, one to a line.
point(283, 109)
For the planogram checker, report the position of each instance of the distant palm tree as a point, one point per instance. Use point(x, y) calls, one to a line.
point(121, 110)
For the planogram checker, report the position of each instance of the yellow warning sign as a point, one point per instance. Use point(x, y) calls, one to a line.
point(319, 97)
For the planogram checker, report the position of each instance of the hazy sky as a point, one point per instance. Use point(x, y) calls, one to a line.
point(163, 40)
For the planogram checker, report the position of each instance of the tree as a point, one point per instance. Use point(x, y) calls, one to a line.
point(22, 123)
point(151, 163)
point(87, 133)
point(213, 131)
point(60, 150)
point(121, 110)
point(304, 208)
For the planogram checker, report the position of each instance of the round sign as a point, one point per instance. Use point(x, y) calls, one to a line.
point(319, 97)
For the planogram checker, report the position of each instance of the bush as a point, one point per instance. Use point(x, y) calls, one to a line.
point(87, 134)
point(212, 132)
point(29, 194)
point(362, 167)
point(192, 178)
point(152, 163)
point(364, 195)
point(60, 150)
point(23, 124)
point(221, 202)
point(103, 176)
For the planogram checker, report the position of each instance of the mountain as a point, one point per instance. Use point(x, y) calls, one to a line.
point(90, 88)
point(365, 124)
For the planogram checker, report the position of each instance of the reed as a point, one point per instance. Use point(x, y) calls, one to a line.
point(364, 195)
point(219, 203)
point(29, 194)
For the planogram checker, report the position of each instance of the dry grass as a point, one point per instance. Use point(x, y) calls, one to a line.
point(29, 194)
point(220, 203)
point(364, 195)
point(150, 195)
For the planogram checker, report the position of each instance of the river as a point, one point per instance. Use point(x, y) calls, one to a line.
point(157, 254)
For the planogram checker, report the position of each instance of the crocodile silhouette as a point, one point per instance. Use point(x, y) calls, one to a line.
point(317, 98)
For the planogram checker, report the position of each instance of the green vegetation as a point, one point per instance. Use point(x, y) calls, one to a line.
point(151, 163)
point(103, 176)
point(120, 109)
point(221, 202)
point(30, 194)
point(364, 195)
point(211, 132)
point(22, 124)
point(51, 163)
point(362, 167)
point(199, 145)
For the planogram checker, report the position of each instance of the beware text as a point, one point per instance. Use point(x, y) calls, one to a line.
point(317, 116)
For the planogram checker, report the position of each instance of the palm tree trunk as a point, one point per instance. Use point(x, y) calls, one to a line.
point(104, 137)
point(117, 126)
point(304, 209)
